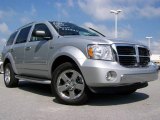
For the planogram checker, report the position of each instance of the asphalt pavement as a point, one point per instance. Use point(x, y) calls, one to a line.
point(32, 101)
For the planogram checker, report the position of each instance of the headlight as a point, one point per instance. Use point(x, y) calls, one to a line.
point(101, 52)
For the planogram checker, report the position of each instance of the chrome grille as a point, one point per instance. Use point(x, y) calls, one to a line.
point(127, 60)
point(144, 61)
point(127, 50)
point(132, 55)
point(143, 51)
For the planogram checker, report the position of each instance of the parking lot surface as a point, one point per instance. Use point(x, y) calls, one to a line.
point(31, 101)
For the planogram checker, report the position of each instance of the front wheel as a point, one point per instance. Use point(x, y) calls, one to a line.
point(68, 85)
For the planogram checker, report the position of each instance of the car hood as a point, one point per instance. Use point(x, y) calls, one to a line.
point(96, 39)
point(102, 40)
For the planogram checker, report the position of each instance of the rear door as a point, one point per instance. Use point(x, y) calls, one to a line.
point(36, 53)
point(18, 48)
point(8, 47)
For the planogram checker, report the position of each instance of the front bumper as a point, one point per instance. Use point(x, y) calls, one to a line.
point(95, 72)
point(158, 64)
point(116, 89)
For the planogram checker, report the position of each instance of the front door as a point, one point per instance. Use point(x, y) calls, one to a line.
point(36, 53)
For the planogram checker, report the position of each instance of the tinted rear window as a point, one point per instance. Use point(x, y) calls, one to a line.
point(23, 35)
point(11, 39)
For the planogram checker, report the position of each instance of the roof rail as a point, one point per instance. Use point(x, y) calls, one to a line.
point(25, 25)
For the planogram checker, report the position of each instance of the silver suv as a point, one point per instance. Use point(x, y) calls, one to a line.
point(75, 61)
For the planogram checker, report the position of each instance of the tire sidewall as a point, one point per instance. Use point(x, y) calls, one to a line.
point(67, 66)
point(13, 81)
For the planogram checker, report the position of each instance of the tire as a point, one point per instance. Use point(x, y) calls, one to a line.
point(126, 92)
point(68, 85)
point(9, 76)
point(1, 69)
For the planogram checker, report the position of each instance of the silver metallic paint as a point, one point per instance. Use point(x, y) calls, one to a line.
point(75, 47)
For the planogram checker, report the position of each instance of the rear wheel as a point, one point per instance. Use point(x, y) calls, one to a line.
point(68, 85)
point(9, 76)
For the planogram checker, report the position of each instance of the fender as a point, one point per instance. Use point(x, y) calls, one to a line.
point(70, 51)
point(10, 57)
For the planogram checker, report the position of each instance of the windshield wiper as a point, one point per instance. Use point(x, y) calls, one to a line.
point(97, 32)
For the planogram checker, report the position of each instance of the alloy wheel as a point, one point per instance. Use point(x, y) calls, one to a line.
point(70, 84)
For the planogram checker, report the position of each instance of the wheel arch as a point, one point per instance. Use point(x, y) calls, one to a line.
point(5, 62)
point(9, 59)
point(62, 59)
point(66, 54)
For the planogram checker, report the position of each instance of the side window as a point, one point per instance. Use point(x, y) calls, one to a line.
point(22, 37)
point(40, 27)
point(11, 39)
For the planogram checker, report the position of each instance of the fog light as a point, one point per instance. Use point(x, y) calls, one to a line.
point(111, 75)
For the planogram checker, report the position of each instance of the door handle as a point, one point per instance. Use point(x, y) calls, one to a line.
point(28, 48)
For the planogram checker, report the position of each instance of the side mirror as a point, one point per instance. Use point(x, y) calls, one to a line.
point(41, 33)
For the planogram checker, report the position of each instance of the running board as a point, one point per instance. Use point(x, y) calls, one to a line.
point(35, 80)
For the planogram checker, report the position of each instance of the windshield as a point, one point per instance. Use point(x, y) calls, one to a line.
point(99, 33)
point(65, 28)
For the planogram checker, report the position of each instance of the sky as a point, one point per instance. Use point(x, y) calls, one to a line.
point(138, 19)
